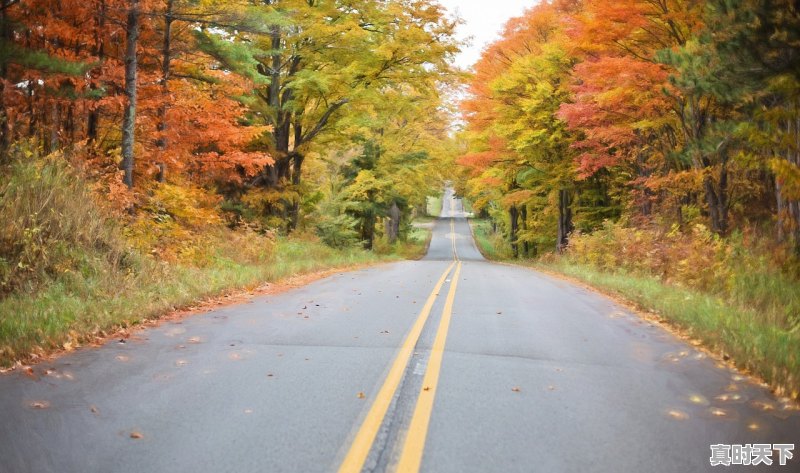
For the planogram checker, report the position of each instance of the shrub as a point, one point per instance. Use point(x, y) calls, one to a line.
point(50, 224)
point(740, 269)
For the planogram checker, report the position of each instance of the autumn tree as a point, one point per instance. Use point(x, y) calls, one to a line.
point(318, 61)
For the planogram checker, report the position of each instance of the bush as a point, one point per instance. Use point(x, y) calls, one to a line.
point(740, 269)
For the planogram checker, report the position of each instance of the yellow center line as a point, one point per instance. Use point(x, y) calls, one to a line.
point(362, 443)
point(411, 456)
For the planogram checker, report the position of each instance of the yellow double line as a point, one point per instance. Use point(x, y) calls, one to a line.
point(411, 455)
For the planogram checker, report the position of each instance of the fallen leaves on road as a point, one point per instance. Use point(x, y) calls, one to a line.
point(360, 395)
point(698, 399)
point(39, 404)
point(677, 415)
point(516, 389)
point(28, 371)
point(136, 435)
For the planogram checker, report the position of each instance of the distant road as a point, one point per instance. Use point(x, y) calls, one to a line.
point(448, 364)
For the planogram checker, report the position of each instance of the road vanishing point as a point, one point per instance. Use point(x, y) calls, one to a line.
point(447, 364)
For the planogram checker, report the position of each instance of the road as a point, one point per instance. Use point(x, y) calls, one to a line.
point(447, 364)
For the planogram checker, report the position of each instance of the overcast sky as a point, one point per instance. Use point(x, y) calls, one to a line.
point(483, 20)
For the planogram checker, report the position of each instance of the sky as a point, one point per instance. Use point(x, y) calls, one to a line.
point(483, 21)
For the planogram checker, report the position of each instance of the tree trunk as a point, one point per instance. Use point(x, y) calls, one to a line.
point(53, 141)
point(564, 219)
point(513, 215)
point(129, 115)
point(717, 199)
point(93, 121)
point(368, 230)
point(166, 63)
point(523, 217)
point(393, 223)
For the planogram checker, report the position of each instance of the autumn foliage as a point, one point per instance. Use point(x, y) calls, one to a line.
point(655, 114)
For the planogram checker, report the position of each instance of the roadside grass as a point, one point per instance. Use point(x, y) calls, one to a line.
point(434, 206)
point(491, 244)
point(750, 332)
point(742, 334)
point(413, 247)
point(76, 309)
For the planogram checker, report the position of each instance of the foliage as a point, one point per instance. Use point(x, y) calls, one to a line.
point(739, 268)
point(656, 113)
point(44, 233)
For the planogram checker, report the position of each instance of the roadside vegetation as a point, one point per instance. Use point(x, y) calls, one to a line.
point(651, 150)
point(151, 154)
point(71, 273)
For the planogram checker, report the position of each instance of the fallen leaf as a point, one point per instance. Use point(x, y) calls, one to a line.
point(360, 395)
point(136, 435)
point(39, 404)
point(94, 409)
point(426, 388)
point(677, 415)
point(516, 389)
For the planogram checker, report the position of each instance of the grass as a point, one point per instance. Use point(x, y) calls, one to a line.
point(434, 206)
point(491, 244)
point(739, 329)
point(74, 310)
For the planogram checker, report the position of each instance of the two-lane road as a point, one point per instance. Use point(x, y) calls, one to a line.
point(448, 364)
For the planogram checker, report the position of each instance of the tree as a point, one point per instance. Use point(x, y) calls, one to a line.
point(317, 59)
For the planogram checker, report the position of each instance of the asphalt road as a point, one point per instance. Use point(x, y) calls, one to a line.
point(448, 364)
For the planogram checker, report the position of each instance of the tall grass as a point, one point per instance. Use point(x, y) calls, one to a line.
point(50, 227)
point(742, 269)
point(490, 243)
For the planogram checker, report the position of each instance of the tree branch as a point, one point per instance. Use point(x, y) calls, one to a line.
point(322, 122)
